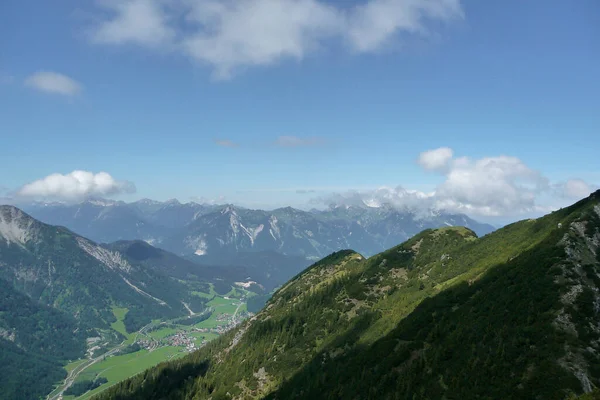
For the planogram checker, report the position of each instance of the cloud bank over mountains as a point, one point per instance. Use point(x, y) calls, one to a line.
point(230, 35)
point(487, 187)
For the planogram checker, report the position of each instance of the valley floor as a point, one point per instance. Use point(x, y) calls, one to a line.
point(156, 342)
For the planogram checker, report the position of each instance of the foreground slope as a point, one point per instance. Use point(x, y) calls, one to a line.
point(514, 314)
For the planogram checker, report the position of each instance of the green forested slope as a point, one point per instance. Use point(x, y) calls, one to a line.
point(514, 314)
point(26, 375)
point(37, 328)
point(34, 339)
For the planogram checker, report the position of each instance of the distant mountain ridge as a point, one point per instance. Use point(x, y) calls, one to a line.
point(268, 269)
point(201, 229)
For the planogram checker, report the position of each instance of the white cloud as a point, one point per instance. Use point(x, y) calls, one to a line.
point(225, 143)
point(53, 82)
point(295, 141)
point(500, 186)
point(141, 22)
point(398, 197)
point(76, 185)
point(490, 186)
point(574, 189)
point(233, 34)
point(374, 24)
point(229, 35)
point(436, 159)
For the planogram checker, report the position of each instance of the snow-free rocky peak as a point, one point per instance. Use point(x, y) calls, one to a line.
point(172, 203)
point(16, 226)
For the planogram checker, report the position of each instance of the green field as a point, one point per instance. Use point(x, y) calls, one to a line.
point(208, 295)
point(212, 322)
point(200, 336)
point(71, 366)
point(119, 326)
point(220, 306)
point(223, 306)
point(118, 368)
point(163, 333)
point(236, 292)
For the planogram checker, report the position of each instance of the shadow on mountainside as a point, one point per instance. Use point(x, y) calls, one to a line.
point(167, 381)
point(490, 339)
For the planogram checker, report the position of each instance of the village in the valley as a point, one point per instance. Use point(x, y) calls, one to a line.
point(194, 337)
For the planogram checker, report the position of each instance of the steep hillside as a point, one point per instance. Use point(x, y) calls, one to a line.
point(34, 340)
point(58, 268)
point(37, 328)
point(514, 314)
point(140, 252)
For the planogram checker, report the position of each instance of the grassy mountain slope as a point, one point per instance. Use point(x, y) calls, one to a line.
point(514, 314)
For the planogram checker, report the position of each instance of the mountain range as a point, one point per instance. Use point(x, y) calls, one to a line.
point(64, 270)
point(444, 315)
point(213, 232)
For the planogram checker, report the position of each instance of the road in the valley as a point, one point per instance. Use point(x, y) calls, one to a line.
point(237, 309)
point(72, 376)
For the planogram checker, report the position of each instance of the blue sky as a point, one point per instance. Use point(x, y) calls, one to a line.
point(268, 103)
